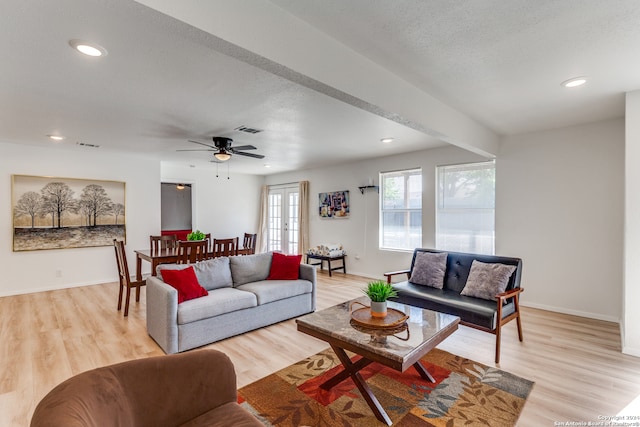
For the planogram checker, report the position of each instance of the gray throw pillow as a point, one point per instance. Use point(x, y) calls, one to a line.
point(250, 268)
point(487, 280)
point(429, 268)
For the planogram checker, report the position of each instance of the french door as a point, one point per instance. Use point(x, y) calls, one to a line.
point(284, 230)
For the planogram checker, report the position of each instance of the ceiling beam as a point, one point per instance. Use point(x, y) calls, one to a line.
point(262, 34)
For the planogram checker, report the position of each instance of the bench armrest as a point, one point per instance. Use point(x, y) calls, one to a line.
point(390, 274)
point(508, 294)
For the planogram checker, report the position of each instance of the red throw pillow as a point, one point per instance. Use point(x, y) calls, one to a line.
point(186, 282)
point(284, 267)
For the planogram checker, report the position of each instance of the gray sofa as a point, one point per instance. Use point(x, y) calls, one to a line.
point(240, 299)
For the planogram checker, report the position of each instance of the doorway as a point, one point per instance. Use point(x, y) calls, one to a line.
point(175, 213)
point(283, 229)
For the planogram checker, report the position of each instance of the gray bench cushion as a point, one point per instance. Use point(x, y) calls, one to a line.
point(272, 290)
point(223, 300)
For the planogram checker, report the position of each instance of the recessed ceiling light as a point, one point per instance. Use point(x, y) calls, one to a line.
point(56, 137)
point(574, 82)
point(266, 165)
point(386, 140)
point(90, 49)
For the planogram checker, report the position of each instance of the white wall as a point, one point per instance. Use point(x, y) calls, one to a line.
point(33, 271)
point(559, 207)
point(359, 232)
point(223, 207)
point(631, 295)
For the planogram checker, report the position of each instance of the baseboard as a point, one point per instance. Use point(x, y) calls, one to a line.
point(55, 287)
point(588, 315)
point(631, 351)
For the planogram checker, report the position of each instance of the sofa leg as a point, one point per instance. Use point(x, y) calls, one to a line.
point(519, 328)
point(498, 329)
point(517, 307)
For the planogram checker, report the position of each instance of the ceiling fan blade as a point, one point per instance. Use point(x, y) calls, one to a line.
point(244, 147)
point(255, 156)
point(202, 143)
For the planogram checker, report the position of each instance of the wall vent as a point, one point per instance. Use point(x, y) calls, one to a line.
point(247, 129)
point(86, 144)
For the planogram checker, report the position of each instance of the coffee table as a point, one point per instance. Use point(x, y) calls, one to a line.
point(424, 330)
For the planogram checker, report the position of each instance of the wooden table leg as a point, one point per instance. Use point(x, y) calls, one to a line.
point(423, 372)
point(138, 268)
point(351, 369)
point(344, 374)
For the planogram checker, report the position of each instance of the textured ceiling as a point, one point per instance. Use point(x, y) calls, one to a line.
point(164, 82)
point(501, 62)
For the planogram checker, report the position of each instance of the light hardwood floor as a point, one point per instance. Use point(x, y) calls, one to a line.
point(46, 337)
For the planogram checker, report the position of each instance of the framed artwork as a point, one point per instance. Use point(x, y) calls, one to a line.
point(334, 204)
point(62, 213)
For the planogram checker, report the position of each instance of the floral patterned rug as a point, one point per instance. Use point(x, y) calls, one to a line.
point(466, 393)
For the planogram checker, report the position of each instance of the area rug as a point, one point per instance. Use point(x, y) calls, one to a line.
point(466, 393)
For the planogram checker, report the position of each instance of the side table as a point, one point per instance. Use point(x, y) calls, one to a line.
point(323, 258)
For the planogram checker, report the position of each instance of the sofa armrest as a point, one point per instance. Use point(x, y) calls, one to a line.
point(162, 314)
point(171, 390)
point(308, 272)
point(390, 274)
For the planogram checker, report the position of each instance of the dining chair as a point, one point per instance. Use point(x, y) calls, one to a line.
point(191, 251)
point(248, 244)
point(209, 240)
point(125, 278)
point(225, 247)
point(158, 243)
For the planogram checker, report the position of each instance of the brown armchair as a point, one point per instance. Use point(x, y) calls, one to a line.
point(197, 388)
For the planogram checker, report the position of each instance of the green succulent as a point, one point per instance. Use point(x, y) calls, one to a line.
point(379, 291)
point(196, 235)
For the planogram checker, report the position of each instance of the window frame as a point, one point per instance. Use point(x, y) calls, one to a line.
point(439, 208)
point(406, 209)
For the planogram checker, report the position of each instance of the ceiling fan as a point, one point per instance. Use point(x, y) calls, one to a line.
point(223, 149)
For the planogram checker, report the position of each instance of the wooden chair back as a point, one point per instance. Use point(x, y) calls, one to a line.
point(124, 277)
point(190, 252)
point(209, 240)
point(225, 247)
point(158, 243)
point(249, 244)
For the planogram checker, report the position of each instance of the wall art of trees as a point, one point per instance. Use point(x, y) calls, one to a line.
point(50, 213)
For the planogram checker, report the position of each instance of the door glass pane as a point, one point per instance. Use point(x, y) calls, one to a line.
point(293, 226)
point(275, 222)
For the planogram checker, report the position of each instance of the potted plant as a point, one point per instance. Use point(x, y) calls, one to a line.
point(378, 292)
point(196, 235)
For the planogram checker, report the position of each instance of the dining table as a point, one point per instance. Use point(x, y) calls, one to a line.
point(161, 256)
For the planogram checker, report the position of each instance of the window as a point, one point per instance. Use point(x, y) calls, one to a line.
point(465, 214)
point(401, 209)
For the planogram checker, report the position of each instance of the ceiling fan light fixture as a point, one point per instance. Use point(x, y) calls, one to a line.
point(222, 156)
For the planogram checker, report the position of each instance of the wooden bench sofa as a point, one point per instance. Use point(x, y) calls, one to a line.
point(490, 302)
